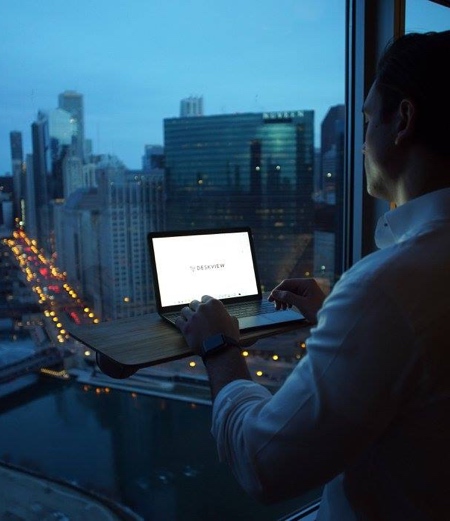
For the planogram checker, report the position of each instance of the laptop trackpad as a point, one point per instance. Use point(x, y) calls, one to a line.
point(269, 319)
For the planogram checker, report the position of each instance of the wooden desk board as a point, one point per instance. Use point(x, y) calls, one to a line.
point(148, 340)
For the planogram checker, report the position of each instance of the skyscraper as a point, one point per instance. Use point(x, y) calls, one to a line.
point(72, 102)
point(62, 132)
point(73, 174)
point(331, 143)
point(18, 172)
point(153, 158)
point(29, 216)
point(249, 168)
point(101, 236)
point(329, 215)
point(153, 162)
point(41, 172)
point(192, 106)
point(62, 126)
point(52, 133)
point(6, 206)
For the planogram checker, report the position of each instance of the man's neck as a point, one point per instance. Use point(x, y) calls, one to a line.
point(426, 174)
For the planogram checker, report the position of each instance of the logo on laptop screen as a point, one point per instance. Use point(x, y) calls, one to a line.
point(207, 267)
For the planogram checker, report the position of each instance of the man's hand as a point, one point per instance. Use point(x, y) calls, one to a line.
point(304, 294)
point(200, 320)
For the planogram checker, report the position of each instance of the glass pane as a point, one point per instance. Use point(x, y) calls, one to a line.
point(119, 118)
point(427, 15)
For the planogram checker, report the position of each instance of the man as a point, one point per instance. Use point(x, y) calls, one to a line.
point(367, 411)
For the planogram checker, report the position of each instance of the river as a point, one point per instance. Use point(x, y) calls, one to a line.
point(154, 455)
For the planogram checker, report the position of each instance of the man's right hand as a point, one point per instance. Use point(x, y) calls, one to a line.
point(304, 294)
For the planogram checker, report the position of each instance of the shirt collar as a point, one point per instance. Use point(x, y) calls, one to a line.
point(400, 223)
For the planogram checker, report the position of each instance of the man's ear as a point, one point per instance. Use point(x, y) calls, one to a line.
point(406, 121)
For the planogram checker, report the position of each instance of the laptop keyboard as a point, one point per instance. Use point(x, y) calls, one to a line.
point(171, 317)
point(243, 309)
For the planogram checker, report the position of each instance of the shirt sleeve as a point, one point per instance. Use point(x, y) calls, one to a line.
point(336, 402)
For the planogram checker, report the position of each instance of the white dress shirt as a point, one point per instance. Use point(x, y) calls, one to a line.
point(367, 410)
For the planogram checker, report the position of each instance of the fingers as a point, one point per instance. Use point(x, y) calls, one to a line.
point(304, 294)
point(194, 305)
point(282, 299)
point(180, 321)
point(280, 294)
point(187, 312)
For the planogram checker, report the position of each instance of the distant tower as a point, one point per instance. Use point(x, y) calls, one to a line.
point(153, 158)
point(38, 198)
point(18, 172)
point(192, 106)
point(61, 126)
point(330, 184)
point(107, 266)
point(73, 174)
point(72, 102)
point(153, 172)
point(332, 142)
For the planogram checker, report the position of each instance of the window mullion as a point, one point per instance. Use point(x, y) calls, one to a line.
point(370, 25)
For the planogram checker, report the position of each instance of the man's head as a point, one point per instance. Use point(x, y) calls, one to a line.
point(407, 108)
point(416, 67)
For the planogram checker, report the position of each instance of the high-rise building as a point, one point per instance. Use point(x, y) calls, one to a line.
point(73, 178)
point(29, 216)
point(250, 168)
point(78, 242)
point(192, 106)
point(18, 173)
point(38, 199)
point(6, 206)
point(72, 102)
point(52, 135)
point(101, 237)
point(125, 220)
point(62, 131)
point(76, 174)
point(332, 127)
point(328, 261)
point(331, 145)
point(61, 125)
point(153, 162)
point(153, 158)
point(15, 139)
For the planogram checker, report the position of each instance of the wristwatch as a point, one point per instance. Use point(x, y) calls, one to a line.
point(216, 343)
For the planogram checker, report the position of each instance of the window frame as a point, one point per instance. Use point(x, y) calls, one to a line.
point(370, 24)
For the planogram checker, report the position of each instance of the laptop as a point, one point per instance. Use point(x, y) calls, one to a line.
point(218, 262)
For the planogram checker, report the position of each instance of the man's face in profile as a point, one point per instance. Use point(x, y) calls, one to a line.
point(379, 147)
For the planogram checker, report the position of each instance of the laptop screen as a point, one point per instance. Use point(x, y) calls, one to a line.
point(188, 265)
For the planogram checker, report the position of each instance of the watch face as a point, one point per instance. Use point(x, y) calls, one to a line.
point(213, 342)
point(217, 342)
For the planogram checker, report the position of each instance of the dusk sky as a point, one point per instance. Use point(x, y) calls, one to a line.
point(134, 60)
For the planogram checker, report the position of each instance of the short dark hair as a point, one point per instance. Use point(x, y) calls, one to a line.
point(416, 66)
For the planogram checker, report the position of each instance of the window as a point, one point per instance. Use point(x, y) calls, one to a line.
point(426, 16)
point(194, 115)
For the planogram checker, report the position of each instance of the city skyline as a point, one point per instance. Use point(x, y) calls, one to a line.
point(134, 62)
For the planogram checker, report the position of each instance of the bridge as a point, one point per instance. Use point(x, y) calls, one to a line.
point(47, 358)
